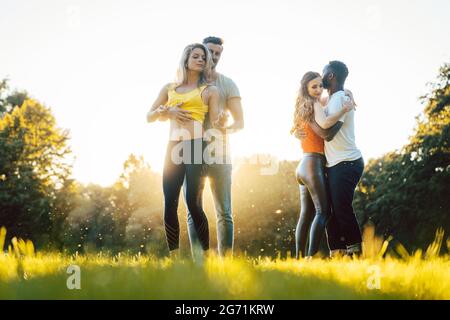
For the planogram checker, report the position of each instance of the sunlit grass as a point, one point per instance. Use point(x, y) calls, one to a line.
point(25, 274)
point(44, 276)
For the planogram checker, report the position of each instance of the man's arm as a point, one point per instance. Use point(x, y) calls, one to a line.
point(326, 134)
point(235, 107)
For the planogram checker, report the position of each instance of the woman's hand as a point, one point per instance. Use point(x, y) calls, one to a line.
point(349, 94)
point(180, 115)
point(162, 111)
point(174, 113)
point(348, 104)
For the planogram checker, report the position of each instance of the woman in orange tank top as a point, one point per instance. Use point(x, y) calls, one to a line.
point(315, 206)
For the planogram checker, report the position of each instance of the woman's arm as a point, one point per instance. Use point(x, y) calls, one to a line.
point(157, 111)
point(213, 107)
point(324, 100)
point(328, 121)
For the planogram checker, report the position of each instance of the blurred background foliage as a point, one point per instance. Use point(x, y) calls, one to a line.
point(403, 194)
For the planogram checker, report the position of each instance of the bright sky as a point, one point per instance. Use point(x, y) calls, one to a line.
point(100, 64)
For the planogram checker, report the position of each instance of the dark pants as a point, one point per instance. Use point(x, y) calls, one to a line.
point(184, 160)
point(343, 229)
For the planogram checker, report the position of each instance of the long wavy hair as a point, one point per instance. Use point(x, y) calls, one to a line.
point(304, 106)
point(205, 75)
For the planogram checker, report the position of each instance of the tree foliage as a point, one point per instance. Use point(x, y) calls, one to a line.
point(404, 193)
point(33, 167)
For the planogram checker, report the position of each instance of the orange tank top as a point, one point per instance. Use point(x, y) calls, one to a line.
point(312, 142)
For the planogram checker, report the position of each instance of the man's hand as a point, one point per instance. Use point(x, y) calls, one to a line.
point(220, 123)
point(176, 113)
point(222, 119)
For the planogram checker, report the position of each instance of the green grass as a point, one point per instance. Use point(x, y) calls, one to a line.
point(25, 274)
point(138, 277)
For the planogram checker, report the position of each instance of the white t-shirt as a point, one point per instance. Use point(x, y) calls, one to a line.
point(343, 146)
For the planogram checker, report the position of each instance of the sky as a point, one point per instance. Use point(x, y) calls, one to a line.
point(99, 65)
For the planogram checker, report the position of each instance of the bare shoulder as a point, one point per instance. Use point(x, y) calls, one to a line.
point(168, 86)
point(212, 90)
point(318, 105)
point(165, 89)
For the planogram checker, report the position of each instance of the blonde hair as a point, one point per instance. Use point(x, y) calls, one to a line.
point(205, 75)
point(304, 106)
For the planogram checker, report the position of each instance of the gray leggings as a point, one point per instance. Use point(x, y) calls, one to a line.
point(315, 205)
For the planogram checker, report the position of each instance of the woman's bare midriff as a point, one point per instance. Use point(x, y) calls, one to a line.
point(318, 152)
point(192, 129)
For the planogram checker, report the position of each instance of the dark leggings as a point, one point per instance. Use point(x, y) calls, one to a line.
point(184, 159)
point(315, 204)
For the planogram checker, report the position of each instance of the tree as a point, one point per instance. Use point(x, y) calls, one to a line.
point(33, 167)
point(144, 226)
point(8, 100)
point(404, 193)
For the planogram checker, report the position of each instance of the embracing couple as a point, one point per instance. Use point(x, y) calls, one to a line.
point(198, 105)
point(331, 166)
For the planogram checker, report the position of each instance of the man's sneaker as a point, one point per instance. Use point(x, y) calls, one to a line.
point(354, 250)
point(338, 253)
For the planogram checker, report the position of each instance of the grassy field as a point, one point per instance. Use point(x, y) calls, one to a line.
point(25, 274)
point(45, 276)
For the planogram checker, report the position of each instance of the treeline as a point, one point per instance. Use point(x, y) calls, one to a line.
point(403, 193)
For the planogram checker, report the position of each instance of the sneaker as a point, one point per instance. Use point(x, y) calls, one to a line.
point(354, 250)
point(174, 254)
point(338, 253)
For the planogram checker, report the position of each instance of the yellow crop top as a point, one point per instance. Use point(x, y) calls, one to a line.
point(192, 101)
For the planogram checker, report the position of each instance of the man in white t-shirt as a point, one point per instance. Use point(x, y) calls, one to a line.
point(345, 166)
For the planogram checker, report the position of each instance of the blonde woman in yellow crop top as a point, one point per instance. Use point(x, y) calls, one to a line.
point(184, 156)
point(192, 94)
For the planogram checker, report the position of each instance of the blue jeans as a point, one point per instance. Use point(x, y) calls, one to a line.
point(220, 183)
